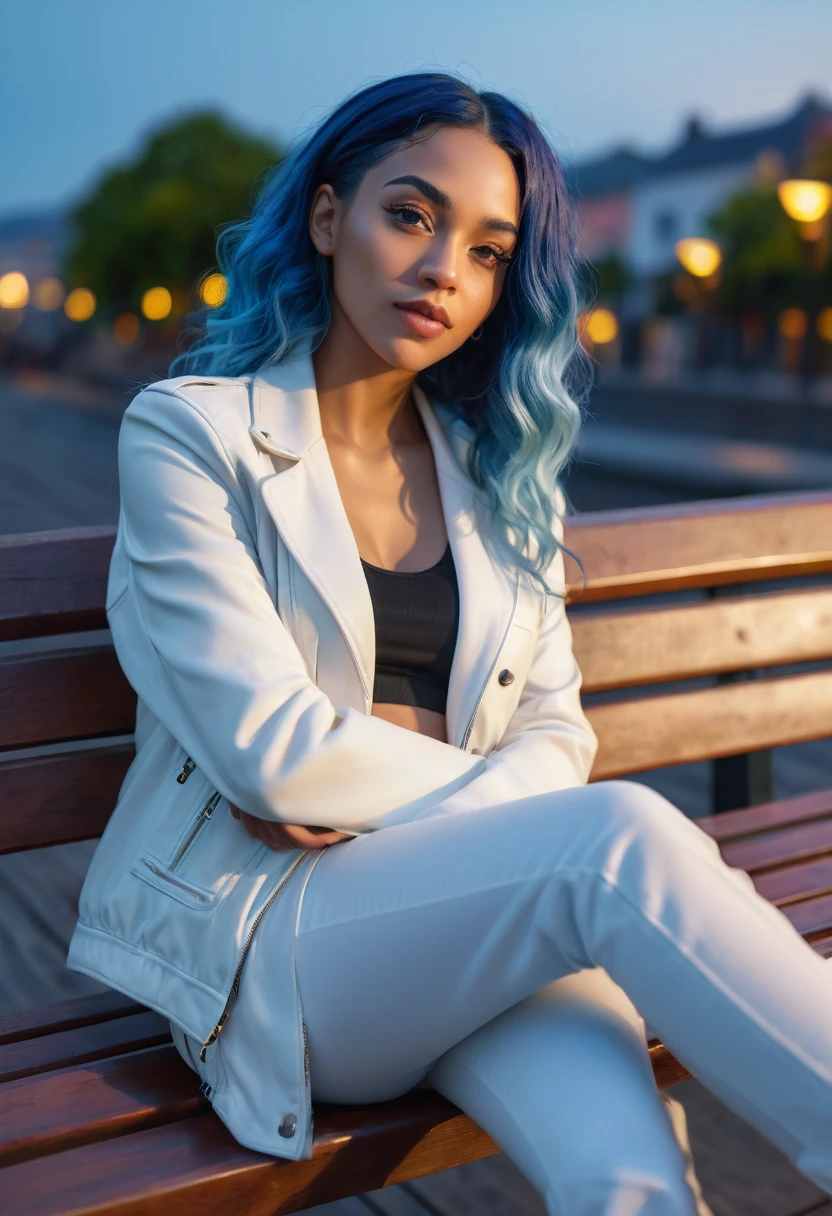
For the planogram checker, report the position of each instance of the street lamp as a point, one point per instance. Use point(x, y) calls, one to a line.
point(701, 257)
point(808, 203)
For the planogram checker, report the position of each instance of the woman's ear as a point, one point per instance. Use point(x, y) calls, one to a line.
point(323, 219)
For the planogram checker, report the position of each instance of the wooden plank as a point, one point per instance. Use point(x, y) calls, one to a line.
point(28, 1057)
point(54, 582)
point(736, 825)
point(65, 1015)
point(790, 884)
point(196, 1165)
point(624, 649)
point(727, 720)
point(59, 798)
point(73, 1106)
point(781, 847)
point(701, 544)
point(811, 917)
point(56, 696)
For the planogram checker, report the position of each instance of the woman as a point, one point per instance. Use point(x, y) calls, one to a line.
point(356, 851)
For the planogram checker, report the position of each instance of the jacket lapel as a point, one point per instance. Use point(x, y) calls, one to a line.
point(305, 504)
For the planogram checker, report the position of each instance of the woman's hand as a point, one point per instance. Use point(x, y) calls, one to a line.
point(280, 836)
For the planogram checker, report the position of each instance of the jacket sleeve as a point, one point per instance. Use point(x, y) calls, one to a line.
point(199, 638)
point(549, 743)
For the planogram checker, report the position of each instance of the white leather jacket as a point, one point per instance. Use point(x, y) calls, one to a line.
point(240, 614)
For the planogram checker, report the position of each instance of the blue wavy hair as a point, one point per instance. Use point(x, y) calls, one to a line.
point(521, 388)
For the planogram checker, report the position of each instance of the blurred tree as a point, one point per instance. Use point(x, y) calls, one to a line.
point(763, 258)
point(153, 220)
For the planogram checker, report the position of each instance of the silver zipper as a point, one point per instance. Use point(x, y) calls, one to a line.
point(235, 985)
point(186, 770)
point(205, 813)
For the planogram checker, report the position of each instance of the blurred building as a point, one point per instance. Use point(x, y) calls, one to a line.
point(636, 207)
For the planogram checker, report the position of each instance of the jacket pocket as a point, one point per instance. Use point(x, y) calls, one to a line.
point(203, 862)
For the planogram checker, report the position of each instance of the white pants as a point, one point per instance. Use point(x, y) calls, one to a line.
point(491, 953)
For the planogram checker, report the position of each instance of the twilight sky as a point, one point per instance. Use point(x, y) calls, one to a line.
point(82, 81)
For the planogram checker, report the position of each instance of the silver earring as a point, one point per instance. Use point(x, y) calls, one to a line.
point(477, 334)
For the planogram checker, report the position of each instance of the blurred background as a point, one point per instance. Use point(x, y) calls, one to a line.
point(697, 141)
point(698, 147)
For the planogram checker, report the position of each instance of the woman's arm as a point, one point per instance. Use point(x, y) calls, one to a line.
point(199, 638)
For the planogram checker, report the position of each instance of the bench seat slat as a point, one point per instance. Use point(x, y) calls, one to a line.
point(654, 645)
point(65, 1015)
point(792, 883)
point(59, 798)
point(811, 917)
point(196, 1165)
point(55, 696)
point(85, 1043)
point(72, 1106)
point(726, 720)
point(739, 825)
point(775, 849)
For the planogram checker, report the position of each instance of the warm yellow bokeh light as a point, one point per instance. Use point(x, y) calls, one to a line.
point(213, 290)
point(699, 255)
point(48, 294)
point(126, 328)
point(79, 304)
point(601, 326)
point(157, 303)
point(14, 290)
point(825, 324)
point(805, 200)
point(793, 323)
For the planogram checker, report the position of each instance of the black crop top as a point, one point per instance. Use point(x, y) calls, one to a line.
point(416, 618)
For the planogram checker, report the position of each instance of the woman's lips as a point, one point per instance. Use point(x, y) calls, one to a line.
point(419, 324)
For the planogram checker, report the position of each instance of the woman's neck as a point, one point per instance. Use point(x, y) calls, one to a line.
point(364, 402)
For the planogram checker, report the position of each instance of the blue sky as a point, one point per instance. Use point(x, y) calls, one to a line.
point(82, 81)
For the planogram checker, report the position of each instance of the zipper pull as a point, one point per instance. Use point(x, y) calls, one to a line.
point(215, 1033)
point(186, 770)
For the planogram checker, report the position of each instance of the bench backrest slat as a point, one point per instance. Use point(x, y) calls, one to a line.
point(707, 544)
point(727, 720)
point(58, 798)
point(652, 645)
point(57, 696)
point(52, 583)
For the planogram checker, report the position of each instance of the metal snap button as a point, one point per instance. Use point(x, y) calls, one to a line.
point(505, 677)
point(288, 1126)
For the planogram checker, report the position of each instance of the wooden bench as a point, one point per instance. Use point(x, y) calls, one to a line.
point(97, 1111)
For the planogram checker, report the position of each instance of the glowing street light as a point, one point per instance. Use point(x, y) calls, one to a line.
point(14, 290)
point(213, 290)
point(79, 304)
point(601, 326)
point(157, 303)
point(808, 203)
point(805, 201)
point(700, 256)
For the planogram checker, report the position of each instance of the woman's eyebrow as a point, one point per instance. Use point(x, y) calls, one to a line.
point(440, 199)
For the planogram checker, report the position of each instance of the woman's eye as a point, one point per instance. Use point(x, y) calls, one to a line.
point(500, 258)
point(400, 211)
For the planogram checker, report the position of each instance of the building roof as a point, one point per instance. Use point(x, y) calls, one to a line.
point(624, 167)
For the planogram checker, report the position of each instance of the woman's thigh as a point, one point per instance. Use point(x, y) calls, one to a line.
point(413, 937)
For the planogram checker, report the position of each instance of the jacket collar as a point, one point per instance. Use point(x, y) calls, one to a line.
point(306, 506)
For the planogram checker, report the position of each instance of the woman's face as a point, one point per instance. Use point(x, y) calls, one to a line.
point(441, 237)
